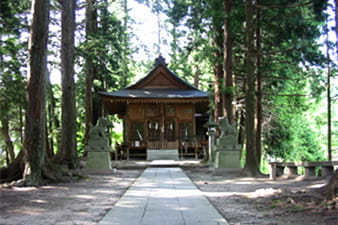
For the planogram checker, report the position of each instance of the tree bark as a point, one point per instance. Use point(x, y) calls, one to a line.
point(90, 70)
point(34, 141)
point(218, 74)
point(329, 190)
point(328, 99)
point(258, 90)
point(336, 28)
point(196, 76)
point(227, 76)
point(251, 163)
point(67, 151)
point(14, 170)
point(4, 133)
point(53, 122)
point(125, 43)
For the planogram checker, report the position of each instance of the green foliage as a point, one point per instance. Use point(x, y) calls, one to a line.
point(13, 55)
point(228, 91)
point(109, 50)
point(292, 138)
point(13, 16)
point(289, 55)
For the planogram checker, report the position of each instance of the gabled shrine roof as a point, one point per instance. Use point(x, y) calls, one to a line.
point(159, 83)
point(161, 77)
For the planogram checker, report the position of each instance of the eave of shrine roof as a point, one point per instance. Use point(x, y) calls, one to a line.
point(156, 94)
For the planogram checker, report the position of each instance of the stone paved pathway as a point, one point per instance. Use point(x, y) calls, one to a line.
point(163, 196)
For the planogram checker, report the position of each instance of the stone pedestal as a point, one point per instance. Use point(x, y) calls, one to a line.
point(162, 154)
point(227, 159)
point(98, 161)
point(98, 148)
point(227, 151)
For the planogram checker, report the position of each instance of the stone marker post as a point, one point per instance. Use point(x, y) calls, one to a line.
point(211, 125)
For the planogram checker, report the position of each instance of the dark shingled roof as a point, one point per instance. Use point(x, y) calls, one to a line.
point(156, 93)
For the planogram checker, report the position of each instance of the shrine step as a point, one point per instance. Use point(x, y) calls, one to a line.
point(162, 154)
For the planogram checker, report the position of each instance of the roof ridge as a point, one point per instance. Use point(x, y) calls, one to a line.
point(164, 66)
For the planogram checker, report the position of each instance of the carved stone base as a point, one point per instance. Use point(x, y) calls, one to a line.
point(98, 161)
point(227, 159)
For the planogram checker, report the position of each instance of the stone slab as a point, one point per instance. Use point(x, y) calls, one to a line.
point(227, 159)
point(163, 196)
point(162, 154)
point(98, 161)
point(164, 163)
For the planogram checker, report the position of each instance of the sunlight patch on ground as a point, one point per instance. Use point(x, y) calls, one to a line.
point(105, 192)
point(40, 201)
point(32, 211)
point(84, 196)
point(24, 188)
point(55, 188)
point(222, 194)
point(317, 185)
point(264, 192)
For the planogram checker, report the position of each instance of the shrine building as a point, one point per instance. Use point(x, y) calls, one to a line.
point(163, 115)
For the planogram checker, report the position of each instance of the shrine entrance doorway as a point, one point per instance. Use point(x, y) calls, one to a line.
point(162, 133)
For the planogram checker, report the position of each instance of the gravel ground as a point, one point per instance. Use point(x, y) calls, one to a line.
point(244, 200)
point(83, 202)
point(240, 200)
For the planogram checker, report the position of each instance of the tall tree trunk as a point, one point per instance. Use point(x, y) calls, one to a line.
point(49, 140)
point(34, 141)
point(251, 163)
point(90, 69)
point(218, 72)
point(21, 119)
point(228, 81)
point(217, 42)
point(258, 90)
point(336, 28)
point(328, 98)
point(125, 44)
point(53, 121)
point(329, 120)
point(4, 133)
point(196, 76)
point(67, 152)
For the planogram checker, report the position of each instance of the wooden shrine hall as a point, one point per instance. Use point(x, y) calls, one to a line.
point(163, 116)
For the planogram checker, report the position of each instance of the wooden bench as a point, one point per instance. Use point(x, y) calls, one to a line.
point(277, 168)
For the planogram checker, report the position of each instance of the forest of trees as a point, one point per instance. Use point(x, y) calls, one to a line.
point(270, 67)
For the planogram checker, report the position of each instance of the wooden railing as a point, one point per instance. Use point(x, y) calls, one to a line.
point(196, 149)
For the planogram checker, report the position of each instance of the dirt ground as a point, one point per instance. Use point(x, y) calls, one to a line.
point(82, 202)
point(244, 200)
point(240, 200)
